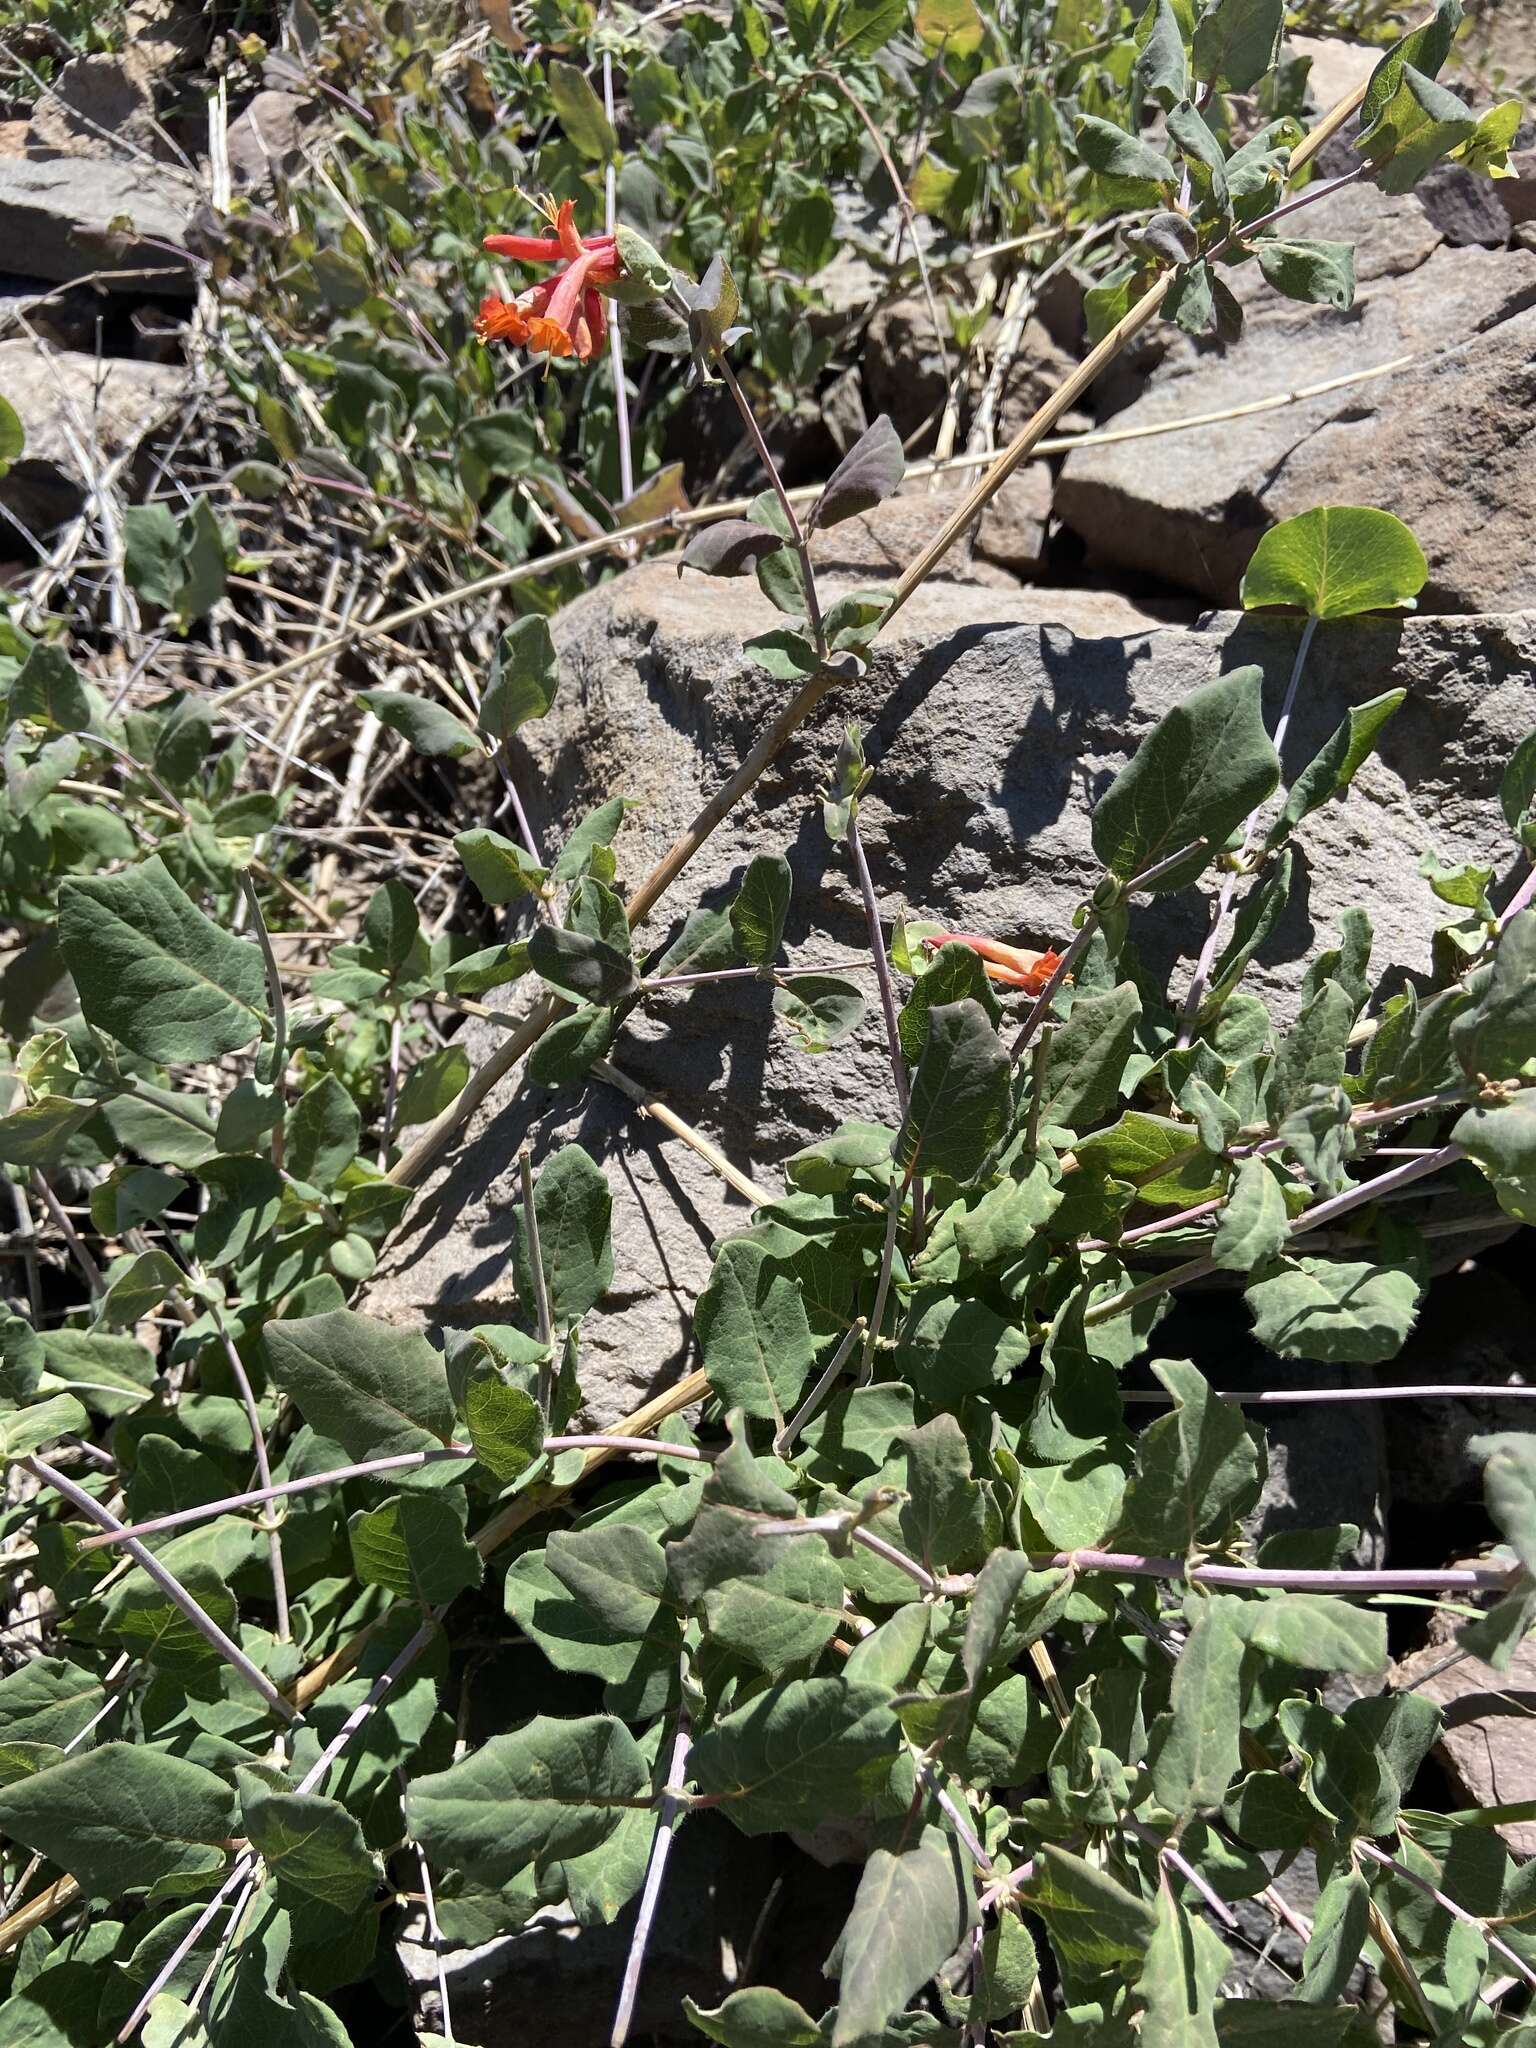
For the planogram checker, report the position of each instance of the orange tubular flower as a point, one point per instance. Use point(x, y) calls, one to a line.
point(564, 314)
point(1017, 966)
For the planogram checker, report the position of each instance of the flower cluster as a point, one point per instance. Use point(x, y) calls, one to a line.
point(563, 315)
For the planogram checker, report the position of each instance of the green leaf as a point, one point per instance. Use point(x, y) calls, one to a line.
point(48, 692)
point(48, 1701)
point(375, 1389)
point(1503, 1142)
point(1330, 772)
point(1338, 1311)
point(753, 1334)
point(806, 1748)
point(865, 26)
point(1197, 1469)
point(431, 1085)
point(581, 112)
point(1496, 1037)
point(1509, 1482)
point(1312, 1631)
point(1335, 562)
point(245, 1195)
point(618, 1573)
point(1160, 1158)
point(1340, 1925)
point(568, 1048)
point(597, 829)
point(1425, 47)
point(152, 553)
point(550, 1789)
point(821, 1009)
point(1237, 42)
point(124, 1818)
point(1114, 154)
point(1201, 1750)
point(943, 1519)
point(153, 971)
point(313, 1849)
point(961, 1096)
point(504, 1426)
point(25, 1430)
point(1087, 1058)
point(414, 1546)
point(788, 657)
point(524, 678)
point(13, 436)
point(783, 1615)
point(1317, 273)
point(1162, 64)
point(759, 909)
point(499, 868)
point(324, 1127)
point(1418, 127)
point(1253, 1223)
point(913, 1908)
point(1094, 1923)
point(36, 1134)
point(426, 727)
point(951, 975)
point(583, 968)
point(1197, 775)
point(1186, 1961)
point(758, 2017)
point(148, 1622)
point(574, 1209)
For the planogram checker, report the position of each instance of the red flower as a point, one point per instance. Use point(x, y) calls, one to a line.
point(1015, 965)
point(564, 314)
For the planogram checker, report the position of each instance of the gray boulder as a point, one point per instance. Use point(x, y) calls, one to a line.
point(76, 411)
point(58, 214)
point(1439, 441)
point(993, 719)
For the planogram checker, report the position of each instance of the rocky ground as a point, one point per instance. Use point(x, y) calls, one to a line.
point(1011, 691)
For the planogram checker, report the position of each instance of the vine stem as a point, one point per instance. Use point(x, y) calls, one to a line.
point(434, 1931)
point(171, 1586)
point(402, 1461)
point(798, 538)
point(263, 1472)
point(1223, 904)
point(535, 1252)
point(784, 1442)
point(1133, 1564)
point(279, 1009)
point(615, 339)
point(1442, 1899)
point(883, 1284)
point(673, 1804)
point(878, 955)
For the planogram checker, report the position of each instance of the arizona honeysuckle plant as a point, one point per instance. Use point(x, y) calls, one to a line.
point(904, 1552)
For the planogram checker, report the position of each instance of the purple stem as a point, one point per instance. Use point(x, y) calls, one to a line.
point(1521, 900)
point(1229, 885)
point(264, 1473)
point(1135, 1565)
point(756, 974)
point(1456, 1912)
point(878, 955)
point(672, 1802)
point(172, 1587)
point(403, 1461)
point(1304, 1396)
